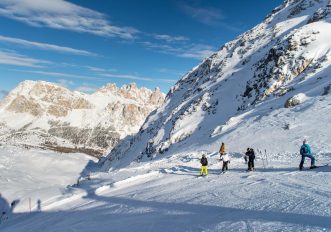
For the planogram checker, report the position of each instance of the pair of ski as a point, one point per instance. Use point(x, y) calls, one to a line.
point(320, 166)
point(201, 176)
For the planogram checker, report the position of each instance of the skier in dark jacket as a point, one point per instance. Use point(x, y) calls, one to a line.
point(226, 160)
point(204, 167)
point(251, 157)
point(305, 151)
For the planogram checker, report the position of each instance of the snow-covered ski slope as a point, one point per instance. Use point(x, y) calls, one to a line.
point(32, 175)
point(237, 96)
point(168, 195)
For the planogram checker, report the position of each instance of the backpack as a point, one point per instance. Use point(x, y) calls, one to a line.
point(303, 150)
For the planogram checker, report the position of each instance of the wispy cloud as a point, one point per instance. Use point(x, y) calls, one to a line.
point(97, 69)
point(60, 14)
point(169, 38)
point(170, 71)
point(86, 88)
point(104, 77)
point(45, 46)
point(195, 51)
point(60, 75)
point(15, 59)
point(137, 78)
point(65, 83)
point(209, 16)
point(179, 46)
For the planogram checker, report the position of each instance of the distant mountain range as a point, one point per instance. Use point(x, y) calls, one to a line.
point(46, 115)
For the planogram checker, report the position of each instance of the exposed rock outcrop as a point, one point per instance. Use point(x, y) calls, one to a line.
point(49, 116)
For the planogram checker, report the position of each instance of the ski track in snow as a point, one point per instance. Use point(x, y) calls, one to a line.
point(166, 195)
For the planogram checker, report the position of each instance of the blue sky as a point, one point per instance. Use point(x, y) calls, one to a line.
point(84, 45)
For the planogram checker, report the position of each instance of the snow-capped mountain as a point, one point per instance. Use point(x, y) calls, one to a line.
point(263, 89)
point(267, 89)
point(42, 114)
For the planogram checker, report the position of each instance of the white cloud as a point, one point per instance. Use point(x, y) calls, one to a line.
point(179, 46)
point(170, 71)
point(169, 38)
point(194, 51)
point(65, 83)
point(97, 69)
point(13, 58)
point(209, 16)
point(136, 78)
point(86, 89)
point(198, 51)
point(61, 75)
point(45, 46)
point(60, 14)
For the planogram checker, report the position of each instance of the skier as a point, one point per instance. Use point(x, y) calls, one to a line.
point(226, 160)
point(222, 150)
point(204, 167)
point(305, 151)
point(251, 156)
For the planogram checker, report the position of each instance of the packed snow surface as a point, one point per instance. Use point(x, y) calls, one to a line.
point(167, 194)
point(268, 89)
point(32, 175)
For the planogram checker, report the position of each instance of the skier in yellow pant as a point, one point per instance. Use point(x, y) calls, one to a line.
point(204, 163)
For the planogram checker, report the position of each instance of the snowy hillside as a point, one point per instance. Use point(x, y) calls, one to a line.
point(41, 114)
point(166, 195)
point(269, 88)
point(38, 175)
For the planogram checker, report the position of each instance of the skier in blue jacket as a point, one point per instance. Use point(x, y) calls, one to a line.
point(305, 151)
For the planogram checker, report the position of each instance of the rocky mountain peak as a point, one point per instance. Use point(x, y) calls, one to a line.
point(72, 121)
point(132, 92)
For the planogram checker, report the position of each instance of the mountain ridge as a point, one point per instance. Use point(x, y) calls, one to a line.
point(285, 57)
point(47, 115)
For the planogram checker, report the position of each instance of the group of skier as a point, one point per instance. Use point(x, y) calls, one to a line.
point(249, 157)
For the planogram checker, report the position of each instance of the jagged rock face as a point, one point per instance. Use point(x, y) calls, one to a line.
point(55, 100)
point(287, 54)
point(50, 116)
point(132, 92)
point(21, 105)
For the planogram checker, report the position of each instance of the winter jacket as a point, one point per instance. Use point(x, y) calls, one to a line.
point(222, 149)
point(305, 149)
point(204, 161)
point(226, 158)
point(250, 154)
